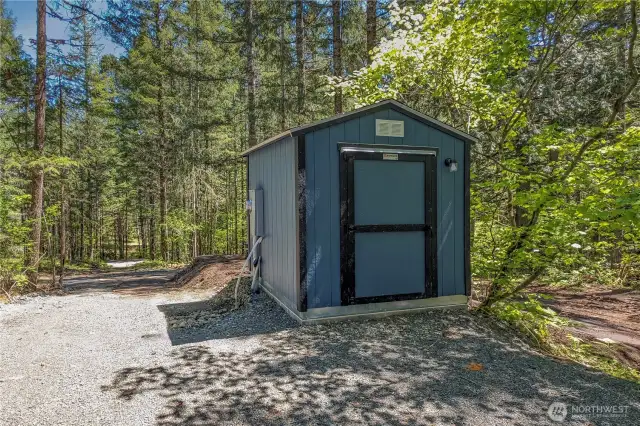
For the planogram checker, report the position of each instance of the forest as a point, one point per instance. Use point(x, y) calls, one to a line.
point(141, 153)
point(106, 157)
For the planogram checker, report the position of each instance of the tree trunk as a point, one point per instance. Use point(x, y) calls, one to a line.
point(372, 5)
point(86, 53)
point(142, 235)
point(27, 96)
point(164, 249)
point(37, 172)
point(63, 236)
point(337, 52)
point(228, 209)
point(152, 229)
point(251, 75)
point(615, 257)
point(81, 236)
point(520, 214)
point(126, 232)
point(62, 231)
point(162, 145)
point(236, 249)
point(300, 54)
point(283, 62)
point(163, 217)
point(194, 206)
point(91, 217)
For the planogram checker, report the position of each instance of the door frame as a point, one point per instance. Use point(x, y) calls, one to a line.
point(348, 154)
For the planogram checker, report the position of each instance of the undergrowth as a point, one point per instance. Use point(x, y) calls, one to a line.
point(46, 266)
point(600, 356)
point(544, 329)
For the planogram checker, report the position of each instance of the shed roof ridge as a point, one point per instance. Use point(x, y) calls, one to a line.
point(338, 118)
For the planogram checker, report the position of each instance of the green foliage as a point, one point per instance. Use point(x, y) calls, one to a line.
point(14, 232)
point(142, 150)
point(550, 90)
point(555, 184)
point(545, 330)
point(47, 265)
point(600, 356)
point(14, 81)
point(530, 316)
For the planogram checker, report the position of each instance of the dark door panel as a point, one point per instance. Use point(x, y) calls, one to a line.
point(389, 264)
point(388, 192)
point(388, 210)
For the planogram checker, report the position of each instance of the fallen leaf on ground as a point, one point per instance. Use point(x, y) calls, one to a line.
point(474, 366)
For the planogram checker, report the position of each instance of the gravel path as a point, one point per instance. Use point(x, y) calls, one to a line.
point(103, 358)
point(120, 264)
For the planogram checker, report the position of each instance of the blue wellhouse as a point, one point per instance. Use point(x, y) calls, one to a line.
point(363, 213)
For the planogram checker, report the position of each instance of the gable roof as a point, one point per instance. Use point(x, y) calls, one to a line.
point(369, 109)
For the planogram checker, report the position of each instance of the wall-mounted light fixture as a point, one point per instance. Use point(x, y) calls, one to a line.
point(451, 164)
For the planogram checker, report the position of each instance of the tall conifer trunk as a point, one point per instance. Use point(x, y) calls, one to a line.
point(372, 5)
point(300, 54)
point(251, 73)
point(62, 230)
point(162, 145)
point(283, 59)
point(337, 52)
point(164, 248)
point(37, 172)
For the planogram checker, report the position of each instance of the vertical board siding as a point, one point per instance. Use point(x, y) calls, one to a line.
point(271, 170)
point(446, 228)
point(311, 219)
point(323, 206)
point(367, 126)
point(459, 220)
point(352, 131)
point(323, 231)
point(278, 179)
point(336, 135)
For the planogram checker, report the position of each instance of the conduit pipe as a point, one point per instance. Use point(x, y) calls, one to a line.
point(244, 266)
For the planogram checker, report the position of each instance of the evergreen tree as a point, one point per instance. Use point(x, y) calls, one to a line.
point(32, 262)
point(16, 73)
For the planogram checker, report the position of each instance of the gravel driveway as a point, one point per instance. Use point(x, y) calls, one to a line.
point(101, 358)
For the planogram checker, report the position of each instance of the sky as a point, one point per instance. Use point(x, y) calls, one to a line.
point(24, 12)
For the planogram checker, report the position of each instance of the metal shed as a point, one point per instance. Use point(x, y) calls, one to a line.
point(365, 212)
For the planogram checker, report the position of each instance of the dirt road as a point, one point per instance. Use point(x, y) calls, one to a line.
point(104, 355)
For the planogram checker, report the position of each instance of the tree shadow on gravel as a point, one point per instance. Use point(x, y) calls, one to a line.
point(408, 370)
point(140, 283)
point(215, 318)
point(147, 282)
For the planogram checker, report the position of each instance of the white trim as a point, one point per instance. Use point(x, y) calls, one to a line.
point(385, 309)
point(388, 150)
point(368, 310)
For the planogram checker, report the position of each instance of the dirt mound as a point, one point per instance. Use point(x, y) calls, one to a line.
point(219, 269)
point(205, 312)
point(216, 275)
